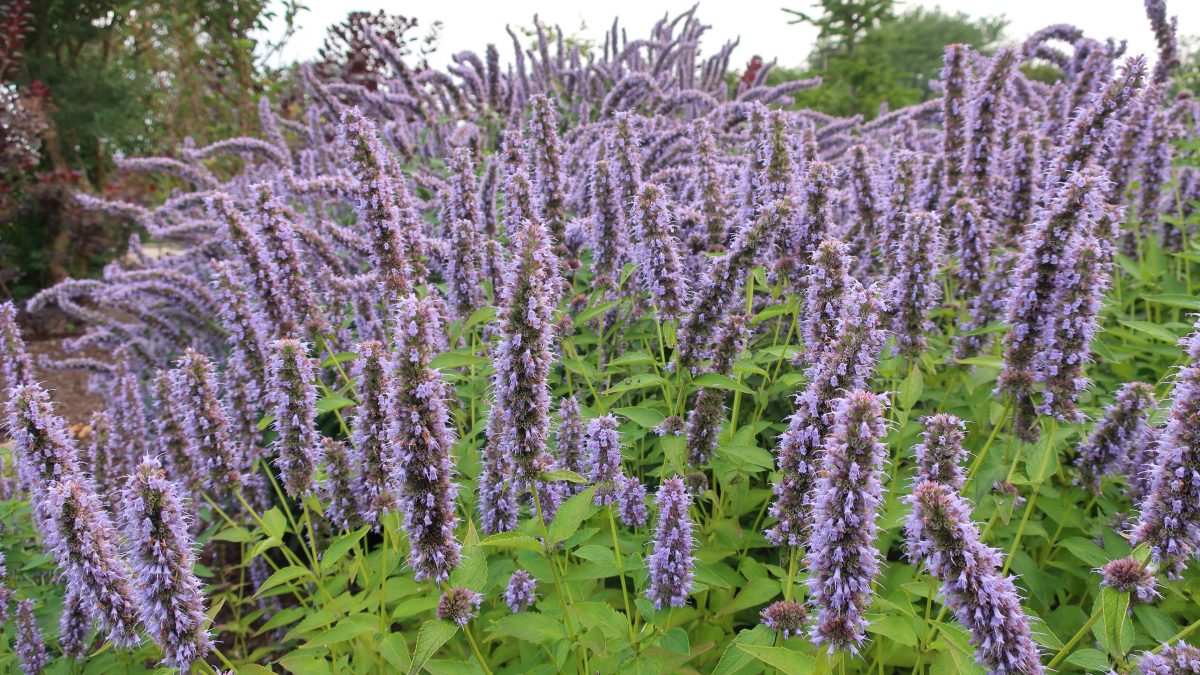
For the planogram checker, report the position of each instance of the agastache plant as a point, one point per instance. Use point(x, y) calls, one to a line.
point(842, 559)
point(422, 438)
point(671, 561)
point(291, 390)
point(704, 419)
point(825, 286)
point(1116, 441)
point(375, 457)
point(983, 600)
point(341, 490)
point(658, 262)
point(569, 440)
point(940, 453)
point(159, 546)
point(205, 427)
point(16, 368)
point(604, 458)
point(1169, 517)
point(914, 292)
point(30, 647)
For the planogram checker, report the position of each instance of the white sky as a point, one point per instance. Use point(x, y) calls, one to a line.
point(762, 26)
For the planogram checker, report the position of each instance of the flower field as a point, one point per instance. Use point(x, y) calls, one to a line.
point(606, 362)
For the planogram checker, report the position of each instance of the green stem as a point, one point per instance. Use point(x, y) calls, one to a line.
point(475, 650)
point(1062, 653)
point(612, 523)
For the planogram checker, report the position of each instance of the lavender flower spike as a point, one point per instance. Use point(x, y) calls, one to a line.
point(422, 439)
point(842, 557)
point(604, 453)
point(30, 648)
point(658, 255)
point(671, 561)
point(631, 502)
point(569, 441)
point(1118, 436)
point(458, 605)
point(84, 542)
point(74, 626)
point(171, 602)
point(205, 426)
point(942, 536)
point(914, 292)
point(940, 454)
point(342, 489)
point(1169, 521)
point(44, 447)
point(368, 433)
point(521, 591)
point(825, 285)
point(1177, 659)
point(293, 397)
point(16, 368)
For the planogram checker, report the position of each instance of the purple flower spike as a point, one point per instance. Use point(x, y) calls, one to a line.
point(44, 448)
point(86, 545)
point(30, 648)
point(843, 561)
point(942, 536)
point(570, 442)
point(604, 457)
point(521, 591)
point(658, 252)
point(342, 490)
point(458, 605)
point(74, 627)
point(704, 419)
point(422, 439)
point(631, 502)
point(1127, 575)
point(16, 368)
point(1177, 659)
point(293, 397)
point(368, 433)
point(205, 427)
point(940, 453)
point(914, 292)
point(785, 616)
point(169, 595)
point(1169, 521)
point(671, 561)
point(825, 286)
point(1118, 439)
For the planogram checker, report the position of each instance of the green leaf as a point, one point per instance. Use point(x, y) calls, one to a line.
point(472, 571)
point(563, 475)
point(911, 388)
point(282, 576)
point(274, 523)
point(755, 593)
point(340, 546)
point(1091, 660)
point(632, 359)
point(982, 361)
point(238, 535)
point(511, 540)
point(1042, 460)
point(571, 515)
point(1175, 300)
point(719, 381)
point(953, 640)
point(456, 359)
point(1153, 330)
point(635, 382)
point(332, 402)
point(394, 650)
point(339, 358)
point(481, 315)
point(735, 658)
point(346, 629)
point(593, 312)
point(644, 417)
point(532, 627)
point(896, 628)
point(254, 669)
point(305, 663)
point(433, 634)
point(265, 422)
point(1115, 629)
point(1156, 622)
point(1086, 550)
point(601, 615)
point(282, 618)
point(782, 658)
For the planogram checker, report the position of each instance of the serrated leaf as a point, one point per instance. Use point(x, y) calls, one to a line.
point(394, 650)
point(593, 312)
point(472, 571)
point(753, 594)
point(571, 514)
point(339, 358)
point(735, 658)
point(511, 540)
point(1042, 460)
point(344, 630)
point(1091, 660)
point(433, 634)
point(532, 627)
point(644, 417)
point(1175, 300)
point(340, 546)
point(274, 523)
point(238, 535)
point(782, 658)
point(456, 359)
point(635, 382)
point(1115, 629)
point(719, 381)
point(911, 388)
point(1152, 329)
point(282, 576)
point(632, 359)
point(982, 362)
point(1086, 550)
point(481, 315)
point(563, 475)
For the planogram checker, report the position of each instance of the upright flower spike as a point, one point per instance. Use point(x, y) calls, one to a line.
point(1024, 162)
point(785, 616)
point(714, 209)
point(16, 368)
point(671, 562)
point(458, 605)
point(6, 593)
point(74, 627)
point(205, 427)
point(984, 601)
point(1090, 129)
point(30, 648)
point(498, 510)
point(811, 223)
point(826, 283)
point(569, 441)
point(545, 149)
point(1074, 208)
point(127, 412)
point(97, 453)
point(1064, 345)
point(292, 272)
point(954, 125)
point(342, 489)
point(422, 439)
point(377, 204)
point(658, 252)
point(623, 145)
point(973, 249)
point(631, 501)
point(775, 177)
point(375, 457)
point(866, 204)
point(913, 292)
point(847, 364)
point(521, 591)
point(171, 441)
point(86, 546)
point(1180, 658)
point(519, 203)
point(523, 356)
point(604, 457)
point(940, 454)
point(461, 200)
point(464, 268)
point(904, 179)
point(704, 419)
point(45, 450)
point(170, 597)
point(1118, 437)
point(249, 334)
point(292, 393)
point(986, 122)
point(1164, 35)
point(842, 559)
point(1169, 521)
point(609, 238)
point(258, 264)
